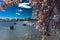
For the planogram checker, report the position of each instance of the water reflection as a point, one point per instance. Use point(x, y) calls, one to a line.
point(20, 32)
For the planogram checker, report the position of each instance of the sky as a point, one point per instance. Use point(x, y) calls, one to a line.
point(22, 10)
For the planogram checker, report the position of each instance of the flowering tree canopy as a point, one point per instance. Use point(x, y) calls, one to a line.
point(8, 3)
point(47, 12)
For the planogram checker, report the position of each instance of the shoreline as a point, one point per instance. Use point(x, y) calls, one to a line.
point(15, 20)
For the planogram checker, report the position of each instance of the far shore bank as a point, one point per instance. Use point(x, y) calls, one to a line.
point(15, 20)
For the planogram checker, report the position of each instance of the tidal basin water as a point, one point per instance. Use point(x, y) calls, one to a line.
point(21, 32)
